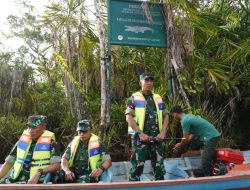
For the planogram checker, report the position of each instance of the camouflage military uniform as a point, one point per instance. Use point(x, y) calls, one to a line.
point(81, 167)
point(24, 175)
point(152, 151)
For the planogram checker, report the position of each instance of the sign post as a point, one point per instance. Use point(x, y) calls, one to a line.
point(128, 24)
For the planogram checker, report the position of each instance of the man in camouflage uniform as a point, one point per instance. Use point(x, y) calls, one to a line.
point(148, 122)
point(36, 128)
point(77, 163)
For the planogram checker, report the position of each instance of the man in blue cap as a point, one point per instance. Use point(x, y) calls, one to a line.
point(85, 158)
point(34, 155)
point(147, 118)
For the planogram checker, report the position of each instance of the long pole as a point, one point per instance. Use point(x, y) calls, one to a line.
point(103, 67)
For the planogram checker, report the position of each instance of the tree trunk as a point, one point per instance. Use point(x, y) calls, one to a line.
point(109, 79)
point(174, 52)
point(68, 91)
point(104, 104)
point(80, 56)
point(77, 103)
point(70, 87)
point(12, 89)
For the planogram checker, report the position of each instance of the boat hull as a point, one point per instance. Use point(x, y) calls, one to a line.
point(240, 181)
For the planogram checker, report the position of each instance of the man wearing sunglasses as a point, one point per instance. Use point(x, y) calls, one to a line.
point(85, 158)
point(34, 155)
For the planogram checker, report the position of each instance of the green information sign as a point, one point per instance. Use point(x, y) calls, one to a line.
point(128, 24)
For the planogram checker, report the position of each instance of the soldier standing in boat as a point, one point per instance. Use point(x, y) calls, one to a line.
point(34, 155)
point(85, 158)
point(200, 128)
point(147, 118)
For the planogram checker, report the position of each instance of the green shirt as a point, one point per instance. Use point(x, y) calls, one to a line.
point(199, 127)
point(151, 127)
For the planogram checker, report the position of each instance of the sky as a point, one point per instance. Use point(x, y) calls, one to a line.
point(10, 7)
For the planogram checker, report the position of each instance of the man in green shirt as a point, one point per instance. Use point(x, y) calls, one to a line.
point(201, 129)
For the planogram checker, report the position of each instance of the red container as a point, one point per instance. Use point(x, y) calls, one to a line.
point(229, 156)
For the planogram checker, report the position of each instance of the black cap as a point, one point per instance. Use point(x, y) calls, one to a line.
point(176, 109)
point(146, 75)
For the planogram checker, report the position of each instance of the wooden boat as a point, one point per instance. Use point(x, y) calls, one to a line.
point(237, 178)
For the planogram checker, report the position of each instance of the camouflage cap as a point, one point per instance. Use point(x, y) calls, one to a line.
point(36, 120)
point(83, 125)
point(146, 75)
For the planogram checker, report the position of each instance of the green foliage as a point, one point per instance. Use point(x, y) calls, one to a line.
point(10, 130)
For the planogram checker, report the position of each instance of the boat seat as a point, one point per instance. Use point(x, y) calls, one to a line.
point(246, 155)
point(174, 172)
point(120, 170)
point(106, 177)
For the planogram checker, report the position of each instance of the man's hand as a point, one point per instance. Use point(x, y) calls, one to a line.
point(160, 136)
point(144, 137)
point(35, 178)
point(177, 148)
point(69, 176)
point(96, 173)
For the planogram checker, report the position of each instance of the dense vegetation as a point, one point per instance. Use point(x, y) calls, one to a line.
point(56, 72)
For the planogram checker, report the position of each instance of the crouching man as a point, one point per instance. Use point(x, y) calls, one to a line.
point(33, 156)
point(203, 130)
point(85, 158)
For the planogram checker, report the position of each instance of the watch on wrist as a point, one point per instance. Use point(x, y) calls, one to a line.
point(139, 131)
point(102, 168)
point(40, 171)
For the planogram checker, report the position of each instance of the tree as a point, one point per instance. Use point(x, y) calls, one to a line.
point(105, 93)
